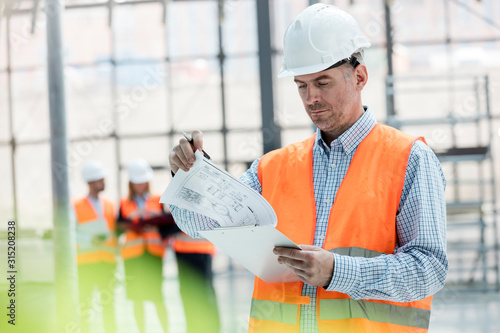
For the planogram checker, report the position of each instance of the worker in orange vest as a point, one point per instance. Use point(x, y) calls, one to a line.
point(96, 248)
point(364, 201)
point(194, 262)
point(142, 217)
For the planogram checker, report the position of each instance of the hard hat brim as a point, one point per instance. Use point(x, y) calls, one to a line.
point(142, 179)
point(96, 177)
point(302, 70)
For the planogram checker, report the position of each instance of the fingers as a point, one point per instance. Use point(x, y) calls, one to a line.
point(312, 264)
point(310, 248)
point(294, 263)
point(182, 155)
point(288, 252)
point(197, 137)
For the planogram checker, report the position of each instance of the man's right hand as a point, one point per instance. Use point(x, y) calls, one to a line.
point(182, 155)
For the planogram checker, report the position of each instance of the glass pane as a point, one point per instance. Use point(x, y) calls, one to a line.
point(27, 49)
point(30, 105)
point(289, 108)
point(213, 144)
point(6, 195)
point(153, 150)
point(3, 44)
point(196, 97)
point(81, 2)
point(192, 28)
point(139, 31)
point(242, 93)
point(34, 186)
point(245, 147)
point(141, 101)
point(87, 36)
point(472, 19)
point(295, 135)
point(89, 102)
point(4, 109)
point(417, 21)
point(282, 13)
point(240, 29)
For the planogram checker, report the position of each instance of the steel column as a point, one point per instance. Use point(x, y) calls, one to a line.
point(64, 234)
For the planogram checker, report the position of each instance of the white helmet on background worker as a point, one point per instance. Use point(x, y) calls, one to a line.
point(320, 37)
point(139, 171)
point(92, 171)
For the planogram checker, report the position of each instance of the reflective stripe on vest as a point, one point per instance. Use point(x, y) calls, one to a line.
point(137, 243)
point(286, 176)
point(182, 243)
point(85, 213)
point(335, 309)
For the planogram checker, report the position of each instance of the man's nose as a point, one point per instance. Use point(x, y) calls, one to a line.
point(312, 95)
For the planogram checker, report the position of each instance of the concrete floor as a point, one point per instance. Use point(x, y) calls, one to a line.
point(453, 311)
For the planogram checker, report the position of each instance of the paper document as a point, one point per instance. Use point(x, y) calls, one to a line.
point(96, 228)
point(211, 191)
point(253, 248)
point(86, 232)
point(248, 221)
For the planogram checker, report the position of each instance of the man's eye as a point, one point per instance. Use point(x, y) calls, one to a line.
point(322, 84)
point(302, 86)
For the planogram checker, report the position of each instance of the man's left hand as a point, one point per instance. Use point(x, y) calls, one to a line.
point(313, 265)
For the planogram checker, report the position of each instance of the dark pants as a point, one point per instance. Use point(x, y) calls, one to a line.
point(197, 292)
point(101, 276)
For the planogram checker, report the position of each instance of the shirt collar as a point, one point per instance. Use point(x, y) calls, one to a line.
point(142, 197)
point(350, 139)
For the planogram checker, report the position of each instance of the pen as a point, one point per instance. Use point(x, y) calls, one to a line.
point(191, 141)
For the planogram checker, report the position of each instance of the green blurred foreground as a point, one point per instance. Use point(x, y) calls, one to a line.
point(453, 311)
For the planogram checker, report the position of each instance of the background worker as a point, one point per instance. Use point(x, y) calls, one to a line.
point(365, 200)
point(194, 262)
point(96, 252)
point(142, 216)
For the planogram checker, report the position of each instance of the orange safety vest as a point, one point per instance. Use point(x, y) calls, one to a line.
point(183, 243)
point(362, 223)
point(85, 213)
point(136, 243)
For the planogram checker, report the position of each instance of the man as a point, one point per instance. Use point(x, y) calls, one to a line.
point(366, 200)
point(96, 241)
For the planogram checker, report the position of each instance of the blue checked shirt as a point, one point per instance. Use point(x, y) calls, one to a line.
point(418, 267)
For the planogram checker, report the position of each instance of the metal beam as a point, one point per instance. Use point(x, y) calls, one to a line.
point(64, 232)
point(12, 141)
point(271, 132)
point(389, 87)
point(222, 59)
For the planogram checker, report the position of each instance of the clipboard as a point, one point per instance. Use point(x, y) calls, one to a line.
point(252, 247)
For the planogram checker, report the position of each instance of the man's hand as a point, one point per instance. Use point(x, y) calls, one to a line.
point(182, 155)
point(313, 265)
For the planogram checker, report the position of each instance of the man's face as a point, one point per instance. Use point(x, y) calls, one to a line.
point(139, 189)
point(330, 100)
point(97, 186)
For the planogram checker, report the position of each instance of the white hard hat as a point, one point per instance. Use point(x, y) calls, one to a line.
point(92, 171)
point(319, 37)
point(139, 171)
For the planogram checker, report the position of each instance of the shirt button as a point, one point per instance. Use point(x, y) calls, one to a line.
point(327, 201)
point(321, 236)
point(309, 311)
point(334, 165)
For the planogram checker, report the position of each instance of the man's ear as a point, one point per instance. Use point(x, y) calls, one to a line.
point(361, 76)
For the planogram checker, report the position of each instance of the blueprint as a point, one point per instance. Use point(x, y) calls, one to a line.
point(211, 191)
